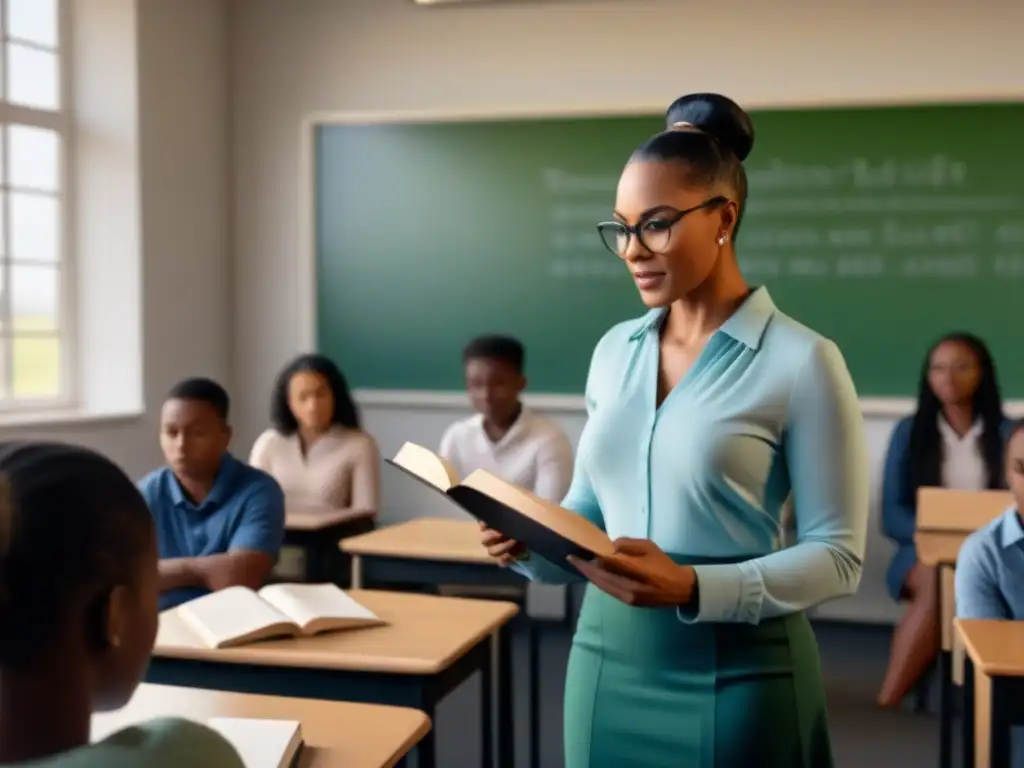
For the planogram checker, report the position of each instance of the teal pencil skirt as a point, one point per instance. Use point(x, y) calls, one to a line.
point(646, 690)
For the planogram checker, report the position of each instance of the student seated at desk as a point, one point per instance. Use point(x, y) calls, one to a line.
point(505, 437)
point(316, 449)
point(78, 612)
point(219, 522)
point(953, 440)
point(990, 568)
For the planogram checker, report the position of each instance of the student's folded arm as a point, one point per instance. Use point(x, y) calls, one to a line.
point(976, 586)
point(255, 545)
point(366, 479)
point(827, 458)
point(899, 518)
point(554, 469)
point(180, 572)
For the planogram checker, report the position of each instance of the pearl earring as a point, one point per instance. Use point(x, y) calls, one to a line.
point(722, 239)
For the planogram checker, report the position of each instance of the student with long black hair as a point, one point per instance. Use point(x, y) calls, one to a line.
point(316, 448)
point(953, 440)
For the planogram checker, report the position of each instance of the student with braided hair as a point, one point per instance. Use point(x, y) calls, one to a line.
point(78, 615)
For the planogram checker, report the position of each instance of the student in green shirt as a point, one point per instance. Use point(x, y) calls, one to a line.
point(78, 615)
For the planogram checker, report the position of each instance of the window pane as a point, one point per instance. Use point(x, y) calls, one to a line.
point(34, 298)
point(35, 227)
point(33, 20)
point(36, 364)
point(3, 321)
point(35, 157)
point(32, 77)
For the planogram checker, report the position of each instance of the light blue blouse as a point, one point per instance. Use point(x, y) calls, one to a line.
point(763, 434)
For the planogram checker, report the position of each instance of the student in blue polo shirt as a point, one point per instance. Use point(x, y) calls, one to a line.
point(990, 567)
point(219, 522)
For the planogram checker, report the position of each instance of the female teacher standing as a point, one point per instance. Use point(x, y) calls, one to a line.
point(714, 421)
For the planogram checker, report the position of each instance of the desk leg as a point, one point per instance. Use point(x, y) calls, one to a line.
point(533, 638)
point(999, 754)
point(357, 572)
point(426, 749)
point(967, 730)
point(487, 706)
point(506, 735)
point(945, 709)
point(945, 689)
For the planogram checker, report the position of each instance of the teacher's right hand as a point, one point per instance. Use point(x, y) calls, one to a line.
point(499, 546)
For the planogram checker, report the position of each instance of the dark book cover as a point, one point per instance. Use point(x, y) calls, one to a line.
point(536, 537)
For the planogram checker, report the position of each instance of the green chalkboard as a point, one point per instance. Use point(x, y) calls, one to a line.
point(880, 228)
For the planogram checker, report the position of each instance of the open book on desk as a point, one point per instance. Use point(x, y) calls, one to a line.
point(261, 743)
point(542, 526)
point(237, 615)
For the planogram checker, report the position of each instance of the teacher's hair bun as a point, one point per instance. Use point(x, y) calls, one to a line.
point(718, 116)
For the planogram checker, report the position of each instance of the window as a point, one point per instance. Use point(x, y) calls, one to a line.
point(34, 129)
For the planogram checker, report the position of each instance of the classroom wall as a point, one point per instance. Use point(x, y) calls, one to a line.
point(179, 49)
point(290, 59)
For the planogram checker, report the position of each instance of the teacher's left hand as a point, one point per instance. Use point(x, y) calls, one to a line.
point(639, 573)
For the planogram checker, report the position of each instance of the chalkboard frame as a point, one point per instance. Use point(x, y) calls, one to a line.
point(876, 407)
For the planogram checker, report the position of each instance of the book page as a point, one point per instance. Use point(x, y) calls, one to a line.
point(229, 614)
point(307, 603)
point(564, 522)
point(426, 465)
point(261, 743)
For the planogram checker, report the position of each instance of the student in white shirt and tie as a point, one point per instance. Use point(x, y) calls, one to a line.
point(504, 436)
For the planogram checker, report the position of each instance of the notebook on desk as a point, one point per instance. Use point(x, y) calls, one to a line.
point(237, 615)
point(541, 526)
point(261, 743)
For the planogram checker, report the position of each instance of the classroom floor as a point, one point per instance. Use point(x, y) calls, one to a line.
point(853, 657)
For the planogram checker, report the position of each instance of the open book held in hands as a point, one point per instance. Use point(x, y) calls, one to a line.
point(237, 615)
point(543, 527)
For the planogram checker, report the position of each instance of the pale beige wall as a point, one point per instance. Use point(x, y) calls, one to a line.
point(293, 58)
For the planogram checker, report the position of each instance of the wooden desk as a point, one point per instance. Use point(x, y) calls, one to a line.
point(431, 552)
point(429, 646)
point(945, 518)
point(335, 733)
point(316, 531)
point(993, 689)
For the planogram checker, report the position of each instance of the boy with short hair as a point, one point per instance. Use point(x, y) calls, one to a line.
point(504, 436)
point(219, 522)
point(990, 567)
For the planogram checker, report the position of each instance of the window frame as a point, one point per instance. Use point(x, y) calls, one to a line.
point(61, 121)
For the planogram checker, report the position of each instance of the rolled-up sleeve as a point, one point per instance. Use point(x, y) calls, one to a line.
point(554, 469)
point(261, 526)
point(827, 461)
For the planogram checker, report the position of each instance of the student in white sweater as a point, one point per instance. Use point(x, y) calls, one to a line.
point(504, 436)
point(316, 449)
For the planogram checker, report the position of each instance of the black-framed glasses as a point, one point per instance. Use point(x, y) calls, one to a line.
point(653, 232)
